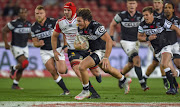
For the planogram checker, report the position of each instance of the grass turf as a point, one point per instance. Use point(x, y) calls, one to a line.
point(45, 89)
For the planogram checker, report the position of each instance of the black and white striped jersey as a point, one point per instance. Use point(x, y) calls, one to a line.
point(171, 34)
point(93, 33)
point(20, 32)
point(157, 27)
point(129, 24)
point(44, 32)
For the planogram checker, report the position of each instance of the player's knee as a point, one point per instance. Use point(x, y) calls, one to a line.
point(24, 64)
point(164, 65)
point(136, 59)
point(82, 68)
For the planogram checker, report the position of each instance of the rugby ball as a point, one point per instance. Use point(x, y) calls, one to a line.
point(83, 42)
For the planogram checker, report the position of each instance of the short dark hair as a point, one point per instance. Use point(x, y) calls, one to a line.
point(40, 7)
point(131, 0)
point(172, 6)
point(149, 9)
point(85, 13)
point(21, 9)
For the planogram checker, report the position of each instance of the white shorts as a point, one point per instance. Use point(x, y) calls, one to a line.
point(100, 53)
point(18, 51)
point(163, 50)
point(47, 54)
point(130, 47)
point(175, 48)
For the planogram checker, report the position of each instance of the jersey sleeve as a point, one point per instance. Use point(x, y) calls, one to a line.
point(10, 25)
point(117, 18)
point(57, 28)
point(100, 31)
point(167, 24)
point(32, 34)
point(140, 29)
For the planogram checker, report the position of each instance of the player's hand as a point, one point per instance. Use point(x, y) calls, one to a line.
point(105, 63)
point(176, 74)
point(56, 55)
point(152, 37)
point(77, 45)
point(41, 43)
point(7, 46)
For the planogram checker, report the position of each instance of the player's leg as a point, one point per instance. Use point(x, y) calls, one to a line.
point(165, 60)
point(176, 85)
point(75, 59)
point(22, 64)
point(21, 55)
point(138, 70)
point(151, 68)
point(96, 72)
point(86, 63)
point(123, 81)
point(50, 66)
point(127, 68)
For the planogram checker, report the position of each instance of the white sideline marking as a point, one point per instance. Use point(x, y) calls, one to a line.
point(82, 104)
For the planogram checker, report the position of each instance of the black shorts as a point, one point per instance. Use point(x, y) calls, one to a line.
point(77, 54)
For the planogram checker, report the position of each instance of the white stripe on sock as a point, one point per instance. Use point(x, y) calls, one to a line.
point(167, 69)
point(58, 79)
point(122, 78)
point(15, 82)
point(85, 85)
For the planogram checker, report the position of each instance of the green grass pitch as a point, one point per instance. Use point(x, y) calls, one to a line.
point(45, 89)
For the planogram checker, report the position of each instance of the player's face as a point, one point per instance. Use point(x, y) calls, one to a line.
point(131, 5)
point(67, 13)
point(148, 17)
point(81, 22)
point(23, 13)
point(158, 6)
point(40, 15)
point(168, 9)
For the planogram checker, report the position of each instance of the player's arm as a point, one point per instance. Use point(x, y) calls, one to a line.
point(54, 38)
point(37, 43)
point(173, 27)
point(5, 30)
point(108, 40)
point(112, 28)
point(65, 43)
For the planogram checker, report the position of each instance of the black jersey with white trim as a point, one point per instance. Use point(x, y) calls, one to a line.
point(129, 24)
point(171, 34)
point(93, 33)
point(20, 32)
point(45, 32)
point(158, 27)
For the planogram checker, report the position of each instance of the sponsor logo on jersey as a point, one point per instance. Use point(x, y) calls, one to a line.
point(153, 31)
point(22, 30)
point(130, 24)
point(44, 34)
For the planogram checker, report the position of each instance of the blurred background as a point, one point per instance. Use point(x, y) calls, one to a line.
point(103, 11)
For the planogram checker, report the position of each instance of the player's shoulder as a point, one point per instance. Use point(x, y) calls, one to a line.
point(14, 21)
point(139, 13)
point(122, 13)
point(63, 18)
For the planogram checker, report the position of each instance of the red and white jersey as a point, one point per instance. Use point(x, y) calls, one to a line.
point(69, 29)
